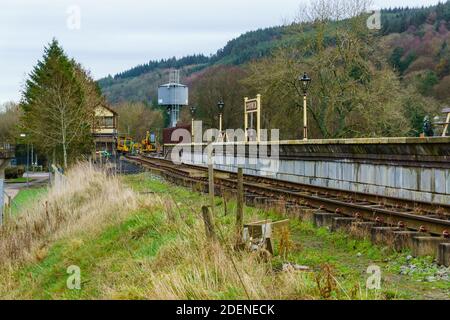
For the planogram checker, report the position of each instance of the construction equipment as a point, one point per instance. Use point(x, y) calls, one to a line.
point(148, 145)
point(126, 145)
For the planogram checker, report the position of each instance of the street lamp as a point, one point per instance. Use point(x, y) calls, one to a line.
point(193, 109)
point(305, 81)
point(221, 106)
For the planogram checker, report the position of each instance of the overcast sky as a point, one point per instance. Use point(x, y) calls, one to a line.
point(117, 35)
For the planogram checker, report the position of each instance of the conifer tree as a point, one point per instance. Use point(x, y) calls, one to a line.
point(58, 108)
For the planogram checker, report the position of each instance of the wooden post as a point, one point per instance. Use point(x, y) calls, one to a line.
point(9, 206)
point(240, 205)
point(225, 202)
point(211, 178)
point(447, 121)
point(209, 225)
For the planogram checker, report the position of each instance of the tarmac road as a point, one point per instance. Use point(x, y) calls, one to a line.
point(36, 179)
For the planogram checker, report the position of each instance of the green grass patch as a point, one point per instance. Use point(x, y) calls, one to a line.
point(19, 180)
point(115, 263)
point(100, 258)
point(26, 198)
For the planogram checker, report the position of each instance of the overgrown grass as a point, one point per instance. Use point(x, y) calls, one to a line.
point(140, 238)
point(26, 198)
point(87, 202)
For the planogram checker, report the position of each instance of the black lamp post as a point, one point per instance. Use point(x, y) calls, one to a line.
point(193, 109)
point(306, 82)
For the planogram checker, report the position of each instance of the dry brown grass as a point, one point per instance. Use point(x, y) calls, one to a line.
point(193, 268)
point(185, 266)
point(88, 200)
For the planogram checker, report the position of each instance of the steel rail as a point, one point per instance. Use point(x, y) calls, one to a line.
point(347, 208)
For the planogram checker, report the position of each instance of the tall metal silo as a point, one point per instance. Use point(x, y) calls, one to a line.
point(173, 95)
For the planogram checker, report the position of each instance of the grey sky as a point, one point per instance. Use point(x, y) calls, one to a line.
point(116, 35)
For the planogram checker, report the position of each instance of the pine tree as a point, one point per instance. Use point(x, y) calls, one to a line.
point(56, 114)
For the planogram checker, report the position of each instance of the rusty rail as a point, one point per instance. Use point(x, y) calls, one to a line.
point(368, 207)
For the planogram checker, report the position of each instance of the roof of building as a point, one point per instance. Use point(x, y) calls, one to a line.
point(109, 109)
point(173, 84)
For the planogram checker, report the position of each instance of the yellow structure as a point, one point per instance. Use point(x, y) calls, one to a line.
point(105, 131)
point(125, 144)
point(148, 145)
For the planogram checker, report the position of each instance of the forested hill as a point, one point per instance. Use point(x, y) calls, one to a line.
point(248, 46)
point(414, 40)
point(140, 82)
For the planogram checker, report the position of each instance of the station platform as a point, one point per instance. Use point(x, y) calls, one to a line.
point(416, 169)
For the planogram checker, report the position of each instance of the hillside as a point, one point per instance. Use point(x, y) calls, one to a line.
point(140, 83)
point(414, 42)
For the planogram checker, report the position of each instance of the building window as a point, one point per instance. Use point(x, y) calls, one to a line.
point(107, 122)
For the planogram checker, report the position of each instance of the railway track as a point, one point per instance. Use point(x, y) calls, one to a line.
point(386, 211)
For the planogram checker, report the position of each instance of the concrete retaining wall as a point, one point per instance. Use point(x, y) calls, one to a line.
point(414, 169)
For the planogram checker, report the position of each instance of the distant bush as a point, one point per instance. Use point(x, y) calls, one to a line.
point(14, 172)
point(11, 173)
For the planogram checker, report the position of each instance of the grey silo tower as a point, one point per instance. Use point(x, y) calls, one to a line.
point(173, 95)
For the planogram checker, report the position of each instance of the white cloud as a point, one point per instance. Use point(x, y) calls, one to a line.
point(116, 34)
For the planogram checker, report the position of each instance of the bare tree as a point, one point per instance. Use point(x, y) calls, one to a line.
point(135, 119)
point(9, 121)
point(332, 10)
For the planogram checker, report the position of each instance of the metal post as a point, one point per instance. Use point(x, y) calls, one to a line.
point(32, 156)
point(245, 119)
point(28, 161)
point(305, 119)
point(192, 131)
point(258, 118)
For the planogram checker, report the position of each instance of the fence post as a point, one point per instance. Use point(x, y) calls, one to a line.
point(211, 178)
point(2, 200)
point(10, 206)
point(240, 205)
point(209, 225)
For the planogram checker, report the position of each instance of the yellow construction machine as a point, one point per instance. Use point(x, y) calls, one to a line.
point(148, 145)
point(126, 145)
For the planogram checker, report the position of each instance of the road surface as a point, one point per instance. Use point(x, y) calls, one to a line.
point(36, 179)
